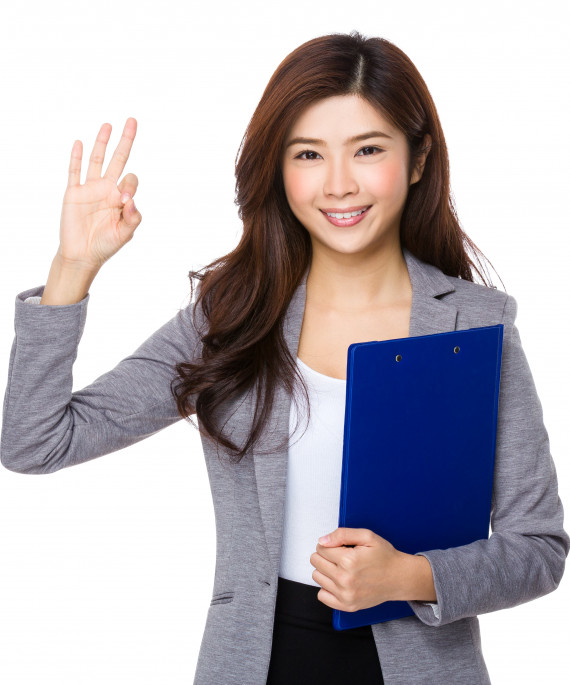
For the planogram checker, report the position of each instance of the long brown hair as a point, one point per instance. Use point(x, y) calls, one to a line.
point(245, 294)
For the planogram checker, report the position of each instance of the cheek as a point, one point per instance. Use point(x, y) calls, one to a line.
point(297, 189)
point(388, 182)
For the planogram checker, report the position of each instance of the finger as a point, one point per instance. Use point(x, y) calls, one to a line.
point(119, 158)
point(331, 553)
point(98, 153)
point(74, 175)
point(329, 594)
point(322, 564)
point(330, 600)
point(326, 582)
point(129, 185)
point(131, 216)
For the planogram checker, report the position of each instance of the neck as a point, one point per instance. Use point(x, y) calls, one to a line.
point(347, 285)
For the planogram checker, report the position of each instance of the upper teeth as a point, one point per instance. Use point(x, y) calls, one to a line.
point(345, 215)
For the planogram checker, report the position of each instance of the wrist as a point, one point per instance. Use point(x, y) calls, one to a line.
point(72, 266)
point(417, 579)
point(67, 283)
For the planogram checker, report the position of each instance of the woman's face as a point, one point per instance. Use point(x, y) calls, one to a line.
point(331, 171)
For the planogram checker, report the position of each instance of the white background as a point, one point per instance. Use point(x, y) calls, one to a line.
point(107, 568)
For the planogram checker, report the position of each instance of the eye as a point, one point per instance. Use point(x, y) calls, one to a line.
point(306, 152)
point(370, 147)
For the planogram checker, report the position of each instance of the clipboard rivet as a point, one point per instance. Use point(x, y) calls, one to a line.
point(456, 349)
point(398, 357)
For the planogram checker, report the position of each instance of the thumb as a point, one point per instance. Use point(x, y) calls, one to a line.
point(347, 536)
point(131, 215)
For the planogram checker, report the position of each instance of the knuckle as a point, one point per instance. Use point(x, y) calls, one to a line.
point(121, 156)
point(349, 597)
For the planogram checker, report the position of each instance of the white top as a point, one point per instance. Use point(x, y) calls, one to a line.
point(314, 468)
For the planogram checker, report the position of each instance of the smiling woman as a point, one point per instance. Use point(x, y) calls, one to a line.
point(368, 185)
point(349, 235)
point(333, 93)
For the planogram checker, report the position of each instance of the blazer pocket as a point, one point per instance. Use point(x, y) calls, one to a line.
point(222, 598)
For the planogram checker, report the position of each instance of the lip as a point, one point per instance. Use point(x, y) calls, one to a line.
point(351, 221)
point(340, 210)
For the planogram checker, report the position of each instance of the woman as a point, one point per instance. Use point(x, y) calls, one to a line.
point(349, 235)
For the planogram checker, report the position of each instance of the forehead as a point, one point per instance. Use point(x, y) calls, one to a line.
point(339, 117)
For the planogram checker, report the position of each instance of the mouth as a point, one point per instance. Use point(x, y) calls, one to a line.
point(346, 221)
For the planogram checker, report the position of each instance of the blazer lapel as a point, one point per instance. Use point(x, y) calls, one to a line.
point(428, 315)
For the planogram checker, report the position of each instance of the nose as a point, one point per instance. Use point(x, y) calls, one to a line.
point(339, 178)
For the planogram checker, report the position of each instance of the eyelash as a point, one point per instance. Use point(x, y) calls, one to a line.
point(368, 147)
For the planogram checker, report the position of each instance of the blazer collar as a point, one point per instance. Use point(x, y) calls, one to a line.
point(428, 315)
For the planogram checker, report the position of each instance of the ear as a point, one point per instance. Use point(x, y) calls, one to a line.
point(420, 163)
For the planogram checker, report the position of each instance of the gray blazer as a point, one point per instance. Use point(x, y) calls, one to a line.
point(46, 428)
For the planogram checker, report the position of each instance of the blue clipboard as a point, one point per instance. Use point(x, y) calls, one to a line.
point(419, 445)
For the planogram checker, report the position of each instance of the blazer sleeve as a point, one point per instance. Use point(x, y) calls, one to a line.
point(525, 556)
point(46, 426)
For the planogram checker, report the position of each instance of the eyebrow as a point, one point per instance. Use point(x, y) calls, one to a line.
point(354, 139)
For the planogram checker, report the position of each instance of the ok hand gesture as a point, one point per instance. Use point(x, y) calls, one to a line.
point(99, 217)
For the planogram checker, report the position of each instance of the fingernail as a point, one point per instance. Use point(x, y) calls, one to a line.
point(125, 197)
point(324, 539)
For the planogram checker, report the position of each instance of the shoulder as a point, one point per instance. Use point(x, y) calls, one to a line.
point(481, 304)
point(476, 304)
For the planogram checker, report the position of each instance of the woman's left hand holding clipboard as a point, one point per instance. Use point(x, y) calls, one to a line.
point(358, 569)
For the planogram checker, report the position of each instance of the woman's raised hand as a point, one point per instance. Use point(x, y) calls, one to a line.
point(98, 218)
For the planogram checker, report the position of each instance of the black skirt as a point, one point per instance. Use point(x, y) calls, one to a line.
point(307, 649)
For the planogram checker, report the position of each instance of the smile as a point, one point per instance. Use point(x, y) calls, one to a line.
point(341, 219)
